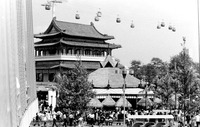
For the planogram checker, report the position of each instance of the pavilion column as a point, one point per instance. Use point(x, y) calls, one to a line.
point(73, 51)
point(64, 51)
point(110, 52)
point(35, 52)
point(91, 52)
point(41, 52)
point(82, 51)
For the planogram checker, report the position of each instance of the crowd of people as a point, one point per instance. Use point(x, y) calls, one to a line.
point(102, 117)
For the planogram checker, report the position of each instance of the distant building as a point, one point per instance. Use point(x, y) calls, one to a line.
point(108, 81)
point(18, 103)
point(61, 46)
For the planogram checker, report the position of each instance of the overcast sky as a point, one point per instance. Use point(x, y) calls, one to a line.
point(140, 43)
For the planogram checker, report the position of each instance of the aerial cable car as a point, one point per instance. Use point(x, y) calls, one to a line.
point(96, 18)
point(162, 24)
point(132, 25)
point(118, 20)
point(158, 26)
point(173, 29)
point(170, 27)
point(47, 7)
point(77, 16)
point(99, 14)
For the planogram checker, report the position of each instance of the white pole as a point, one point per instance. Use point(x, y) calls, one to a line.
point(198, 29)
point(53, 10)
point(124, 101)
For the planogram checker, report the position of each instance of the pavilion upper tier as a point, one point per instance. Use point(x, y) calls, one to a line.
point(73, 39)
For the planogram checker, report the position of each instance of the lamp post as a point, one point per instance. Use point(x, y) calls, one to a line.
point(124, 73)
point(52, 99)
point(184, 79)
point(198, 28)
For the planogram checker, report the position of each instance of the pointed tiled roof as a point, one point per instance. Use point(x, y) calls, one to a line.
point(73, 29)
point(94, 102)
point(109, 60)
point(145, 101)
point(101, 76)
point(120, 103)
point(108, 101)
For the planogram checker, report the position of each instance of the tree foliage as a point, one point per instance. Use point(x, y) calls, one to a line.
point(136, 67)
point(178, 77)
point(164, 89)
point(74, 89)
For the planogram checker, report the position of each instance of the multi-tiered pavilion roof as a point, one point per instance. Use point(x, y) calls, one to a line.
point(74, 34)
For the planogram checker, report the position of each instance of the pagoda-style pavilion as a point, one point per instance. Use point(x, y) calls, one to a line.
point(61, 46)
point(64, 43)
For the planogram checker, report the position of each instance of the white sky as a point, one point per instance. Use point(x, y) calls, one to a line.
point(144, 41)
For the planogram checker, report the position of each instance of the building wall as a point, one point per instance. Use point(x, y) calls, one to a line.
point(17, 71)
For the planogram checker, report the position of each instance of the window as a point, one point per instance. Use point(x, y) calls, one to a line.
point(39, 77)
point(51, 77)
point(52, 52)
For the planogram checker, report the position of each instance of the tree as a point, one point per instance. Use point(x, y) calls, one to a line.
point(160, 66)
point(149, 73)
point(136, 67)
point(164, 89)
point(74, 89)
point(185, 72)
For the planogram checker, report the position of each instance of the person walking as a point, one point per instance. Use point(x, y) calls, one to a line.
point(45, 119)
point(197, 118)
point(54, 121)
point(37, 120)
point(71, 119)
point(64, 120)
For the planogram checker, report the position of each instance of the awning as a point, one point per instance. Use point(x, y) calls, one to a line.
point(131, 91)
point(151, 117)
point(120, 103)
point(94, 102)
point(108, 101)
point(145, 102)
point(46, 86)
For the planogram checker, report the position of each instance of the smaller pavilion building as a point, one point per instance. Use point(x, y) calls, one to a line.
point(108, 81)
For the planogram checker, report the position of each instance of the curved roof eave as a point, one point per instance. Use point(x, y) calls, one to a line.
point(53, 23)
point(111, 37)
point(46, 35)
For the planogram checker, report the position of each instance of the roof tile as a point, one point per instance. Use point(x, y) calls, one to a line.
point(102, 76)
point(81, 30)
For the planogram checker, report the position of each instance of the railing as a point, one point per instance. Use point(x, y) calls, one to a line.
point(70, 57)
